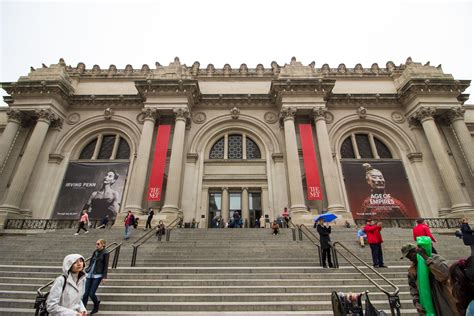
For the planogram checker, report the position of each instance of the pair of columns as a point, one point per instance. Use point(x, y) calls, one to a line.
point(225, 204)
point(425, 115)
point(26, 166)
point(137, 180)
point(333, 194)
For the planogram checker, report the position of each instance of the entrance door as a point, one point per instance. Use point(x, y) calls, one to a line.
point(255, 208)
point(215, 208)
point(235, 209)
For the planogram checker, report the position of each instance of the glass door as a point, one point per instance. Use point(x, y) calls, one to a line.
point(235, 210)
point(255, 208)
point(215, 208)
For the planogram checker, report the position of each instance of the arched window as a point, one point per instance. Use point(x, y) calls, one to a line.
point(235, 146)
point(106, 147)
point(364, 146)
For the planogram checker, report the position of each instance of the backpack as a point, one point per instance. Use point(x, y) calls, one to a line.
point(40, 301)
point(135, 222)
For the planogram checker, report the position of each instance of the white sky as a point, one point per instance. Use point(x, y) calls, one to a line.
point(235, 32)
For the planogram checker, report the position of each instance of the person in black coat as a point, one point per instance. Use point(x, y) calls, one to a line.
point(324, 230)
point(467, 235)
point(151, 213)
point(96, 273)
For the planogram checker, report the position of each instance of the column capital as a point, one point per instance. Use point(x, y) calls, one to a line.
point(424, 113)
point(413, 123)
point(15, 116)
point(181, 114)
point(456, 113)
point(287, 113)
point(57, 124)
point(46, 115)
point(225, 188)
point(319, 113)
point(245, 188)
point(150, 114)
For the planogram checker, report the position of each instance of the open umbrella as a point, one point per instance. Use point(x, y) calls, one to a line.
point(327, 217)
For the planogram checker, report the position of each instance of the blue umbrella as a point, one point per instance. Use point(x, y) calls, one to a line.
point(327, 217)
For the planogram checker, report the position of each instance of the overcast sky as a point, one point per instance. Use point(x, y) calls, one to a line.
point(235, 32)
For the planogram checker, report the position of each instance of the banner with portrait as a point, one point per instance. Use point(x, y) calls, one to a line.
point(97, 187)
point(378, 190)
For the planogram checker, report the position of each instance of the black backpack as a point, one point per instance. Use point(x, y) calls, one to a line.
point(40, 301)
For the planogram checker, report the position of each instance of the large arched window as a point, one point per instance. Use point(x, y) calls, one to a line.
point(106, 147)
point(364, 146)
point(235, 146)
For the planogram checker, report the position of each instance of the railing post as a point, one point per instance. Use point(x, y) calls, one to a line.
point(134, 256)
point(22, 223)
point(300, 234)
point(46, 224)
point(394, 302)
point(116, 256)
point(334, 257)
point(293, 232)
point(168, 233)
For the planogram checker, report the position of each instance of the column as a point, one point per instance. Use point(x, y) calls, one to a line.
point(225, 204)
point(9, 135)
point(27, 163)
point(173, 186)
point(333, 192)
point(138, 177)
point(204, 208)
point(459, 203)
point(456, 117)
point(245, 206)
point(293, 161)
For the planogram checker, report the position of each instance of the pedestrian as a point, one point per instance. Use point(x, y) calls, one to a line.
point(286, 216)
point(443, 300)
point(193, 223)
point(461, 278)
point(96, 273)
point(276, 228)
point(151, 213)
point(324, 230)
point(65, 296)
point(467, 235)
point(129, 222)
point(362, 237)
point(160, 230)
point(103, 223)
point(421, 229)
point(374, 238)
point(83, 222)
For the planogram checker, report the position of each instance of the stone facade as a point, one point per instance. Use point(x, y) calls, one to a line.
point(416, 110)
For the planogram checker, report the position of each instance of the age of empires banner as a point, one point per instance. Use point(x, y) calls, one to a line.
point(96, 187)
point(378, 190)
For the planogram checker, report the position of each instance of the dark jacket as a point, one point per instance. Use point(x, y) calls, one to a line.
point(101, 259)
point(467, 236)
point(324, 238)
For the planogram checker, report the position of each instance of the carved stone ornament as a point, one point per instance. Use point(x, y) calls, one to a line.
point(14, 116)
point(319, 113)
point(398, 117)
point(456, 113)
point(235, 112)
point(46, 115)
point(362, 112)
point(270, 117)
point(288, 113)
point(424, 113)
point(140, 118)
point(199, 117)
point(181, 113)
point(149, 114)
point(108, 113)
point(73, 118)
point(57, 124)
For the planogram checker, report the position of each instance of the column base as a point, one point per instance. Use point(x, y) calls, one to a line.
point(169, 213)
point(133, 208)
point(8, 212)
point(299, 215)
point(343, 215)
point(462, 212)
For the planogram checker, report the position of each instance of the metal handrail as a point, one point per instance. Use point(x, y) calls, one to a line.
point(300, 231)
point(143, 239)
point(116, 248)
point(393, 297)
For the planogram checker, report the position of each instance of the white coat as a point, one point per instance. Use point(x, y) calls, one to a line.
point(69, 301)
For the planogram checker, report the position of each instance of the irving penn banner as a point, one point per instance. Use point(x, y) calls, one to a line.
point(310, 164)
point(159, 161)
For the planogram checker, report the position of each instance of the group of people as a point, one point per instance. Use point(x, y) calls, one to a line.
point(71, 291)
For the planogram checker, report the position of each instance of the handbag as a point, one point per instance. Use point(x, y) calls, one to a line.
point(40, 301)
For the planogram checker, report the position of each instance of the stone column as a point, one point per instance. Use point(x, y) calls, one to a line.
point(173, 187)
point(138, 176)
point(297, 202)
point(456, 117)
point(459, 203)
point(329, 169)
point(245, 206)
point(225, 204)
point(27, 163)
point(9, 135)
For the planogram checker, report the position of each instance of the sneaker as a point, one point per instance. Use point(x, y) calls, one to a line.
point(383, 266)
point(376, 265)
point(76, 234)
point(87, 232)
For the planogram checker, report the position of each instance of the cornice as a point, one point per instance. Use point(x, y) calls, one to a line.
point(238, 100)
point(361, 99)
point(301, 87)
point(431, 87)
point(104, 101)
point(188, 88)
point(38, 88)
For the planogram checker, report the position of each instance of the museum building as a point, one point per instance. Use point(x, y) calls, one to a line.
point(207, 143)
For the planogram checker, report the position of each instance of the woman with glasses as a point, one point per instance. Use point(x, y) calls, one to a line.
point(96, 273)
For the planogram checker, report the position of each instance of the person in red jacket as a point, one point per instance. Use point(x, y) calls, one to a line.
point(374, 238)
point(421, 229)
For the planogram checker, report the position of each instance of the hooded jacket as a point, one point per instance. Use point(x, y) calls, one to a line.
point(69, 301)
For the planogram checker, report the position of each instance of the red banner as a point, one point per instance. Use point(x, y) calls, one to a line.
point(159, 161)
point(310, 163)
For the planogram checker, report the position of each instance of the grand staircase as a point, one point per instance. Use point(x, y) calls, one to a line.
point(208, 272)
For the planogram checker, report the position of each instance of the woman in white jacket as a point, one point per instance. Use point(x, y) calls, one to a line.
point(68, 302)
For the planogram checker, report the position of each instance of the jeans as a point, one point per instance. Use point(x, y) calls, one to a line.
point(127, 231)
point(91, 288)
point(82, 225)
point(377, 255)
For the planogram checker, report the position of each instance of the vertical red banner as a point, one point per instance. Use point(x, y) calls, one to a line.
point(310, 163)
point(159, 161)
